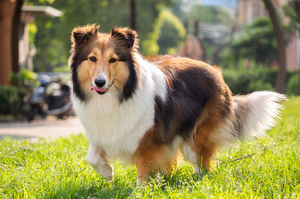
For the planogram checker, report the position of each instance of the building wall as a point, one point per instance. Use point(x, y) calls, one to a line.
point(249, 10)
point(291, 54)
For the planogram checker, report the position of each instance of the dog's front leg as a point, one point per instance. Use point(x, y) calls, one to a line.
point(96, 158)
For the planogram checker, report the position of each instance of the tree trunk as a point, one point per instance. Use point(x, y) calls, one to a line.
point(296, 5)
point(15, 36)
point(196, 33)
point(7, 9)
point(281, 77)
point(133, 14)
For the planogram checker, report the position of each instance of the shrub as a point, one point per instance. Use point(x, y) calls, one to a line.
point(247, 81)
point(9, 97)
point(25, 78)
point(256, 79)
point(292, 85)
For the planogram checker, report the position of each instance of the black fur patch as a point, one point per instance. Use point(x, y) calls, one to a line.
point(76, 61)
point(186, 99)
point(80, 55)
point(126, 37)
point(131, 84)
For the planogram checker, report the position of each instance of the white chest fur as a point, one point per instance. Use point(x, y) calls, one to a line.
point(118, 127)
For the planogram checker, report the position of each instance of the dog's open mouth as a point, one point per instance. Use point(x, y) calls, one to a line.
point(99, 90)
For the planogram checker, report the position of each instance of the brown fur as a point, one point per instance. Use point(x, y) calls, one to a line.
point(152, 157)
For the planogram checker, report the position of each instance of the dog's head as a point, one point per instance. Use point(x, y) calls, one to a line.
point(103, 62)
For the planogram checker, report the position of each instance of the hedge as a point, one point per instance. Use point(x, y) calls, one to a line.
point(247, 81)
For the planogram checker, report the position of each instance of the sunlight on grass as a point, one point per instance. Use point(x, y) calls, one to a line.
point(58, 169)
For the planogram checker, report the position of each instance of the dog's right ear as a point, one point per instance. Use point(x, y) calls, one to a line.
point(81, 35)
point(125, 37)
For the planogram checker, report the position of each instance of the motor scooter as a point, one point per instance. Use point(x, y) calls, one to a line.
point(50, 98)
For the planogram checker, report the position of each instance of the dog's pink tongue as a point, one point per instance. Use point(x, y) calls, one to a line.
point(98, 89)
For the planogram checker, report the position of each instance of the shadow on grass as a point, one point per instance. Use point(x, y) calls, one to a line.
point(105, 190)
point(124, 188)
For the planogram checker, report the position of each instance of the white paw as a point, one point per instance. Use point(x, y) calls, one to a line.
point(197, 169)
point(109, 178)
point(106, 172)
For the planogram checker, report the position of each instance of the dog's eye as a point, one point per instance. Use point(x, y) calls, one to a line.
point(93, 59)
point(112, 60)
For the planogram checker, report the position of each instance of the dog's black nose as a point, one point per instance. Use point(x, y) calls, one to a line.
point(100, 82)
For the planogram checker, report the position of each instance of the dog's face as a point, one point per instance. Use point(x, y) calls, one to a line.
point(102, 63)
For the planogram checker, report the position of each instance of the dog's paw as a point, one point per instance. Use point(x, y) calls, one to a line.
point(109, 178)
point(107, 173)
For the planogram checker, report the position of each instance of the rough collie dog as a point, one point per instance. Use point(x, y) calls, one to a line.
point(143, 111)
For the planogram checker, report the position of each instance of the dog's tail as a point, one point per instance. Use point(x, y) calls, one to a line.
point(252, 115)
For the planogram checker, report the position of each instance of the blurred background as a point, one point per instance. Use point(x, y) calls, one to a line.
point(256, 43)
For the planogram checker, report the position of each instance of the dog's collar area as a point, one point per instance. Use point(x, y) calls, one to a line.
point(99, 90)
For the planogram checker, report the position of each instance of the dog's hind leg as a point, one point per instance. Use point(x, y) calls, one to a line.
point(96, 158)
point(153, 160)
point(200, 150)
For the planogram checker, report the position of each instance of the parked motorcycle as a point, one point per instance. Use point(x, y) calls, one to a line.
point(50, 98)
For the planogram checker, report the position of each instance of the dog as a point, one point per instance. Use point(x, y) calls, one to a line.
point(144, 111)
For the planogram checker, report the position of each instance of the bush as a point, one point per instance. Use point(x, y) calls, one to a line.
point(292, 85)
point(25, 78)
point(256, 79)
point(9, 97)
point(247, 81)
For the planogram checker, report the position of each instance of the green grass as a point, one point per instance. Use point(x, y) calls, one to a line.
point(58, 169)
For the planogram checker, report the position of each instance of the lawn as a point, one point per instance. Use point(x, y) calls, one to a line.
point(58, 169)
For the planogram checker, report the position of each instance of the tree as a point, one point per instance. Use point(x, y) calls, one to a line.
point(7, 10)
point(133, 15)
point(167, 35)
point(55, 33)
point(213, 15)
point(281, 78)
point(256, 41)
point(15, 36)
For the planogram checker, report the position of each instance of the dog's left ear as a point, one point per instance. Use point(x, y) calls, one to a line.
point(125, 36)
